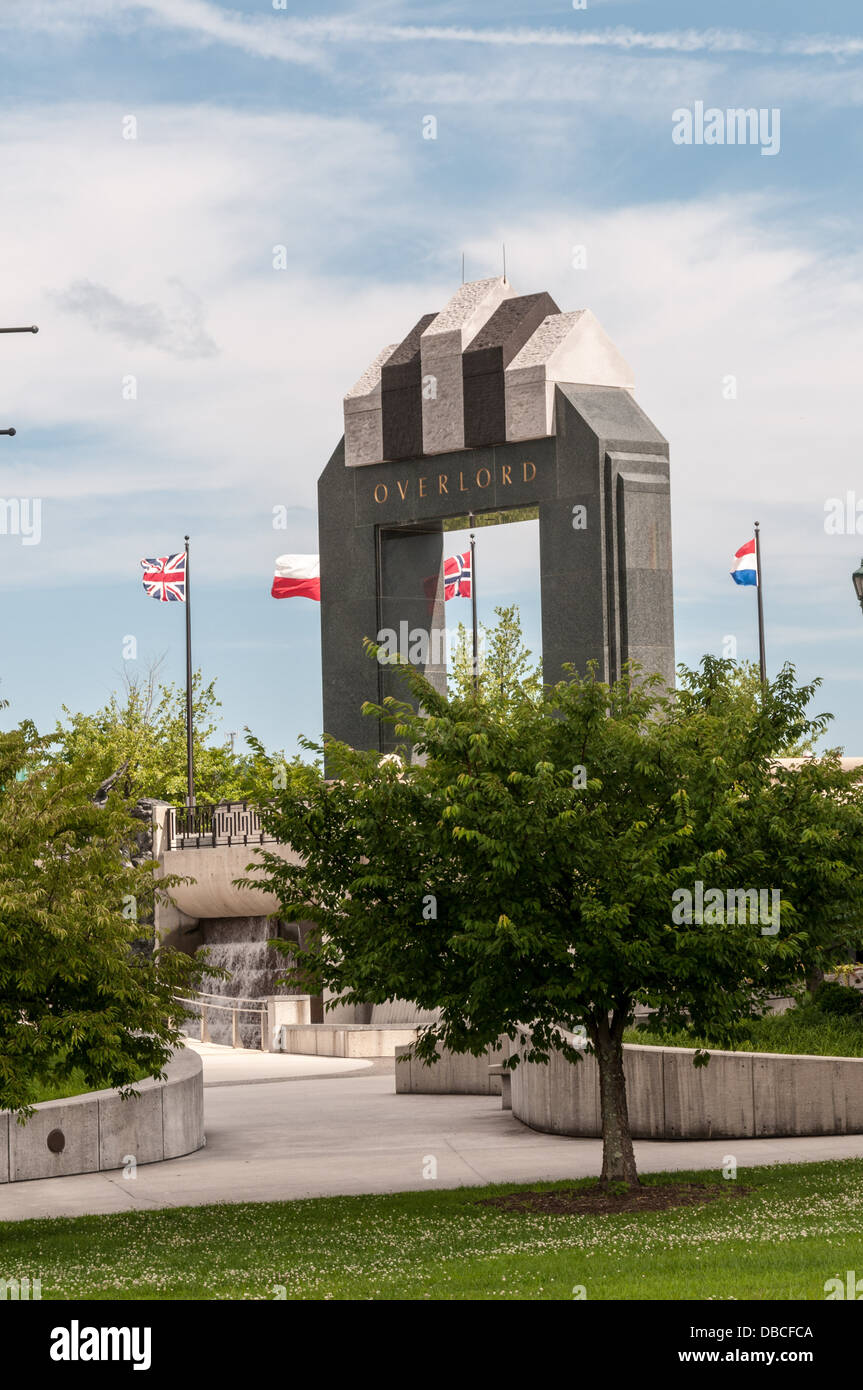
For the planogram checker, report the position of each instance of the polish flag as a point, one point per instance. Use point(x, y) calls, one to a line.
point(297, 576)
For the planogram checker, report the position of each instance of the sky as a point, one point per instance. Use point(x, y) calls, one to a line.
point(153, 153)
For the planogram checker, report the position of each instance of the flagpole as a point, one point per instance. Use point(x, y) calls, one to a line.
point(190, 755)
point(761, 653)
point(473, 606)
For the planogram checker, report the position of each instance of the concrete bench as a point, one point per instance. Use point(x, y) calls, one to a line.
point(505, 1075)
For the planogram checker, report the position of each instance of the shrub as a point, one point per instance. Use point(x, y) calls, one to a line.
point(839, 1000)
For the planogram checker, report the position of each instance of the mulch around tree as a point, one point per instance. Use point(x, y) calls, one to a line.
point(593, 1201)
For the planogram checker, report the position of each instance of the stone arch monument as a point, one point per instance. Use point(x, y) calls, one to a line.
point(498, 401)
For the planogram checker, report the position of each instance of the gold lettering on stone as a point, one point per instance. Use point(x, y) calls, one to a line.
point(482, 479)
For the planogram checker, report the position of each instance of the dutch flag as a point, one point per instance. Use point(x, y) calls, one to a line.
point(745, 565)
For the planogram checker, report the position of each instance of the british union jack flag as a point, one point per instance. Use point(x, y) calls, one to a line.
point(456, 576)
point(165, 578)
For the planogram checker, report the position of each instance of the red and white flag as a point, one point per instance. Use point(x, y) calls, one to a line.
point(297, 576)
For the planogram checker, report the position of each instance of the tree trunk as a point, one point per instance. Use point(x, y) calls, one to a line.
point(618, 1158)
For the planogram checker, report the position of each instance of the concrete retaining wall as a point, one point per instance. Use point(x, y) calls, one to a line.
point(212, 892)
point(346, 1039)
point(99, 1130)
point(453, 1074)
point(400, 1013)
point(396, 1013)
point(737, 1095)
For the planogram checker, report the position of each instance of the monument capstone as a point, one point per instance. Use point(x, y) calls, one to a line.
point(497, 402)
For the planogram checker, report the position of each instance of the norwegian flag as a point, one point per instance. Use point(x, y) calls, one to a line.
point(165, 578)
point(456, 576)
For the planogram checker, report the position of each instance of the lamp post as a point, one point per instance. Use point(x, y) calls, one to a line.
point(31, 328)
point(857, 581)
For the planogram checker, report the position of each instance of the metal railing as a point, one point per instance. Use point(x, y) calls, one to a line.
point(235, 1007)
point(225, 823)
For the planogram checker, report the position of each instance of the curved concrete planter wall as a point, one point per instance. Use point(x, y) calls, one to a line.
point(99, 1130)
point(738, 1095)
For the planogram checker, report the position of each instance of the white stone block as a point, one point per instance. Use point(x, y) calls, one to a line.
point(573, 348)
point(441, 348)
point(364, 441)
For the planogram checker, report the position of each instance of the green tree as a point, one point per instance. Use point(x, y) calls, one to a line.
point(144, 727)
point(522, 874)
point(505, 666)
point(746, 677)
point(76, 990)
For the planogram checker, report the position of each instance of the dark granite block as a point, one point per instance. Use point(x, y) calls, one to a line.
point(486, 358)
point(412, 609)
point(644, 567)
point(401, 398)
point(512, 475)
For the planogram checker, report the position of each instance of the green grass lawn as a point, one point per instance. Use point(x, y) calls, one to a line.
point(799, 1226)
point(803, 1030)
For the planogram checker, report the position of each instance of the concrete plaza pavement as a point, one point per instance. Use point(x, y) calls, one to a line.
point(292, 1128)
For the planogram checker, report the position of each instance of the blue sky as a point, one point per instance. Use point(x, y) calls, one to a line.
point(152, 259)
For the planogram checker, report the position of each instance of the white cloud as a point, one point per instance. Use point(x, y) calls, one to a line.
point(824, 45)
point(263, 37)
point(284, 38)
point(178, 330)
point(339, 30)
point(514, 84)
point(201, 198)
point(691, 291)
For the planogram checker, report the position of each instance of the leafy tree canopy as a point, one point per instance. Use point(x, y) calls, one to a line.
point(81, 984)
point(144, 727)
point(519, 868)
point(505, 667)
point(746, 677)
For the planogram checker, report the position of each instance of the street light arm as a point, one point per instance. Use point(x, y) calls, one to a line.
point(31, 328)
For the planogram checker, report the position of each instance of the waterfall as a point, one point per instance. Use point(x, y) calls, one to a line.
point(239, 944)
